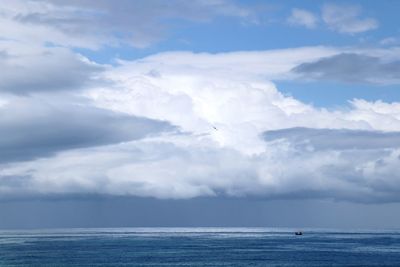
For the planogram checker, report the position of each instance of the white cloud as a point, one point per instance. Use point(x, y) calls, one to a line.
point(195, 91)
point(190, 166)
point(198, 91)
point(347, 19)
point(91, 24)
point(302, 17)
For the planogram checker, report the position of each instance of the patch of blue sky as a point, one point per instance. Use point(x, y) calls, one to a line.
point(333, 94)
point(226, 35)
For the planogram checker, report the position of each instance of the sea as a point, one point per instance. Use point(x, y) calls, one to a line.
point(199, 247)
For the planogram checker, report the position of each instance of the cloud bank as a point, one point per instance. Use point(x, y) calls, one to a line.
point(238, 135)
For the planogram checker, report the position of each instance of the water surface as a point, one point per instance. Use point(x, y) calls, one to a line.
point(198, 247)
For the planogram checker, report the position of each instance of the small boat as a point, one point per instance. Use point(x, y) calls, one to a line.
point(298, 233)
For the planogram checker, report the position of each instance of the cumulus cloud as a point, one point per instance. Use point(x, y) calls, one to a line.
point(93, 24)
point(213, 90)
point(352, 68)
point(190, 166)
point(35, 127)
point(301, 17)
point(239, 137)
point(347, 19)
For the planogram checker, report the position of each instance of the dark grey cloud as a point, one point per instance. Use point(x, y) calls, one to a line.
point(31, 128)
point(336, 139)
point(351, 68)
point(50, 69)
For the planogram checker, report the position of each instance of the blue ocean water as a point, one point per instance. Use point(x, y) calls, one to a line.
point(198, 247)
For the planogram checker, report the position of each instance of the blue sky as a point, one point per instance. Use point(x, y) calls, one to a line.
point(199, 106)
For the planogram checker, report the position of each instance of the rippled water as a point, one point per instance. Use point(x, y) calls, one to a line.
point(198, 247)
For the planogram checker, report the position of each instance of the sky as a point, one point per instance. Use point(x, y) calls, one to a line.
point(199, 113)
